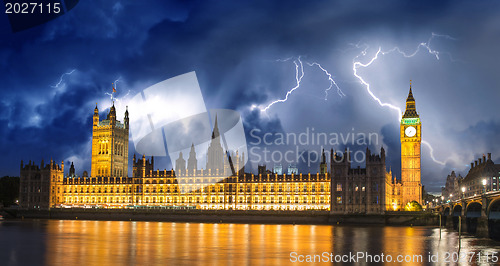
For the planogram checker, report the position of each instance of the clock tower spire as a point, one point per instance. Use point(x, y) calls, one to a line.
point(411, 138)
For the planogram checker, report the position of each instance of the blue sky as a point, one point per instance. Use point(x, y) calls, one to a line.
point(244, 54)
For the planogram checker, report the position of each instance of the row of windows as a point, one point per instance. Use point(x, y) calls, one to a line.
point(105, 148)
point(104, 171)
point(375, 200)
point(357, 188)
point(475, 187)
point(264, 200)
point(213, 188)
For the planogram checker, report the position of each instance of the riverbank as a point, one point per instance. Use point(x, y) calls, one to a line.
point(248, 217)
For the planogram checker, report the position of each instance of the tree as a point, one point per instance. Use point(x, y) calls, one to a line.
point(9, 190)
point(413, 207)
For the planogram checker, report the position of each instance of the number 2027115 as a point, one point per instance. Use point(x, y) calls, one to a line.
point(32, 8)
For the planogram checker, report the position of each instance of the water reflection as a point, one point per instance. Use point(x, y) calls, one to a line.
point(149, 243)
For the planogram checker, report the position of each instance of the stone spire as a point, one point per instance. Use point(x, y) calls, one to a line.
point(215, 133)
point(411, 110)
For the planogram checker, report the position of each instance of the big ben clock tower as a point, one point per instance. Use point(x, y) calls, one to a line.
point(411, 137)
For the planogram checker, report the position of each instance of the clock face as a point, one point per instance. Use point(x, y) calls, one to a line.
point(410, 131)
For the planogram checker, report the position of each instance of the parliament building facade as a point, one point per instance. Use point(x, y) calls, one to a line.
point(223, 183)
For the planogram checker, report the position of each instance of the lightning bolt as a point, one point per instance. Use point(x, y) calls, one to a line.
point(119, 100)
point(62, 77)
point(432, 152)
point(357, 64)
point(111, 94)
point(299, 74)
point(332, 81)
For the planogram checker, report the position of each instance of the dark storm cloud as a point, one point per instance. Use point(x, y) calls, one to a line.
point(233, 47)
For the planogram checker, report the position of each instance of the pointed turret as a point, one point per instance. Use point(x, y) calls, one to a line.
point(215, 153)
point(112, 113)
point(215, 133)
point(322, 165)
point(126, 120)
point(180, 165)
point(410, 96)
point(411, 110)
point(96, 115)
point(192, 161)
point(72, 170)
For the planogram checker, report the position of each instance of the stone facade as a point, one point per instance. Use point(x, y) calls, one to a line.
point(411, 138)
point(223, 184)
point(452, 186)
point(40, 186)
point(109, 145)
point(358, 190)
point(483, 169)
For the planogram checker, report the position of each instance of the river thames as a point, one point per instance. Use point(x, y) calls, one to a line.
point(75, 242)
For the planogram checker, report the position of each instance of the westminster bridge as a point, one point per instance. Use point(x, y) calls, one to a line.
point(478, 215)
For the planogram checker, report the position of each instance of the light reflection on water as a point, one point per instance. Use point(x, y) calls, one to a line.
point(66, 242)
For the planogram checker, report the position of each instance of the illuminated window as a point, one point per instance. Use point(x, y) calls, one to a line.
point(339, 187)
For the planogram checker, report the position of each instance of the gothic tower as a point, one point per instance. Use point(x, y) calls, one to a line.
point(192, 164)
point(411, 137)
point(109, 145)
point(215, 153)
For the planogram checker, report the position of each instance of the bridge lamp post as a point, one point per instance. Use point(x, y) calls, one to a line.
point(442, 199)
point(463, 192)
point(484, 185)
point(451, 195)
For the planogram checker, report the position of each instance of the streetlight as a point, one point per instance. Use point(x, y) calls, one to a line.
point(484, 185)
point(451, 195)
point(463, 192)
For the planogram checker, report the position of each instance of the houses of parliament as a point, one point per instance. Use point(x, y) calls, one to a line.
point(223, 184)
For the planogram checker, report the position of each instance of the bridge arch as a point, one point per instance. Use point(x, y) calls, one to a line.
point(494, 219)
point(445, 214)
point(457, 212)
point(472, 214)
point(492, 202)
